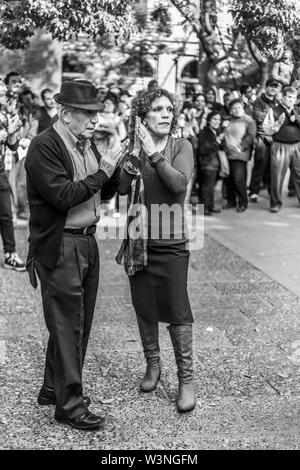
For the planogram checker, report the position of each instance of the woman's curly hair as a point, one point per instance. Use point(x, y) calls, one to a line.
point(142, 104)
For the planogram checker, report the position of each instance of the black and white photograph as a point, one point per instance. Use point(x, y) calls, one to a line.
point(150, 224)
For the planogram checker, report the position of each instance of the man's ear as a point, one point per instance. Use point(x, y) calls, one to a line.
point(66, 115)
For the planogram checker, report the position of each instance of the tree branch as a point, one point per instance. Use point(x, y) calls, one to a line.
point(186, 16)
point(260, 59)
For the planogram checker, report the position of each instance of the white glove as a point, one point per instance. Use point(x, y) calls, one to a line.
point(110, 160)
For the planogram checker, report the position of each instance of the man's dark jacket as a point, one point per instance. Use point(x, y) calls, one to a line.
point(52, 192)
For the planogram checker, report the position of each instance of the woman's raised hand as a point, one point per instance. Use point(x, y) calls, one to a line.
point(145, 138)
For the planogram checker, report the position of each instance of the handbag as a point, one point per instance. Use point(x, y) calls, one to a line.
point(224, 165)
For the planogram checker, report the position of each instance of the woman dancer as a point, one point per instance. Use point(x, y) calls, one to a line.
point(157, 173)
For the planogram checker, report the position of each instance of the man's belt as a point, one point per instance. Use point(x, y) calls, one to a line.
point(82, 231)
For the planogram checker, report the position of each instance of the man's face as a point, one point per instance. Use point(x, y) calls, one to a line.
point(248, 93)
point(272, 90)
point(287, 57)
point(49, 101)
point(82, 122)
point(227, 98)
point(27, 99)
point(289, 100)
point(14, 84)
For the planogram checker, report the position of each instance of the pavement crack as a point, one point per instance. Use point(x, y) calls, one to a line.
point(270, 384)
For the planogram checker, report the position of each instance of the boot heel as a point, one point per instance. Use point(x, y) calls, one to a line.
point(186, 398)
point(150, 380)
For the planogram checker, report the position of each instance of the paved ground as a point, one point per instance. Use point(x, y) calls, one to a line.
point(268, 241)
point(247, 359)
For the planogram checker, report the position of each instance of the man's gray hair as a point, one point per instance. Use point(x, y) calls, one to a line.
point(60, 107)
point(289, 89)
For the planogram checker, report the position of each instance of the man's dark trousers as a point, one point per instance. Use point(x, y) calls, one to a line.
point(69, 295)
point(261, 172)
point(6, 217)
point(236, 186)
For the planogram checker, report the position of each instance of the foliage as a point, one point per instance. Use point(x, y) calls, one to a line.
point(266, 23)
point(62, 18)
point(162, 18)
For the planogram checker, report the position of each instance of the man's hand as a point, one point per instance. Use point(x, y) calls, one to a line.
point(14, 125)
point(110, 159)
point(278, 123)
point(3, 135)
point(281, 119)
point(220, 138)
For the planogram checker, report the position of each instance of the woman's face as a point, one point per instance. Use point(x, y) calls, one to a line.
point(109, 106)
point(160, 116)
point(200, 102)
point(237, 110)
point(210, 96)
point(215, 122)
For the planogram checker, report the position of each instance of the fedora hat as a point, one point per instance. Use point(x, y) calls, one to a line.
point(79, 94)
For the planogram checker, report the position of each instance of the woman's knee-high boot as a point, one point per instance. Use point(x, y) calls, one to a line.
point(149, 338)
point(182, 340)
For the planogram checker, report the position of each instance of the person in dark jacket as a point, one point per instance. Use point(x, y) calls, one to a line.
point(66, 178)
point(285, 151)
point(208, 161)
point(265, 114)
point(46, 114)
point(211, 100)
point(8, 140)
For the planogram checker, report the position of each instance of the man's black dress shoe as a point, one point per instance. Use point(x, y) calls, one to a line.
point(84, 422)
point(207, 212)
point(228, 206)
point(241, 209)
point(47, 397)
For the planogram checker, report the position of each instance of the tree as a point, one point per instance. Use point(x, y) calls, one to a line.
point(62, 18)
point(217, 40)
point(265, 25)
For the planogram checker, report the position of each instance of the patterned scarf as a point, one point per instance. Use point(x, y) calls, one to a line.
point(133, 251)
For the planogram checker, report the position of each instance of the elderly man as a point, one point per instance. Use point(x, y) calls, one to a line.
point(66, 178)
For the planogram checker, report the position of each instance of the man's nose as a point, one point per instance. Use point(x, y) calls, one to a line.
point(94, 118)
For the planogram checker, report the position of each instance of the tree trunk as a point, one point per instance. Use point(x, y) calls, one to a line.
point(264, 73)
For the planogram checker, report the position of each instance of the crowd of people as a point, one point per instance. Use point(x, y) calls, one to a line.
point(228, 129)
point(262, 128)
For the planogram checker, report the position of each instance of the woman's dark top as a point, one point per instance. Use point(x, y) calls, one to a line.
point(208, 150)
point(179, 153)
